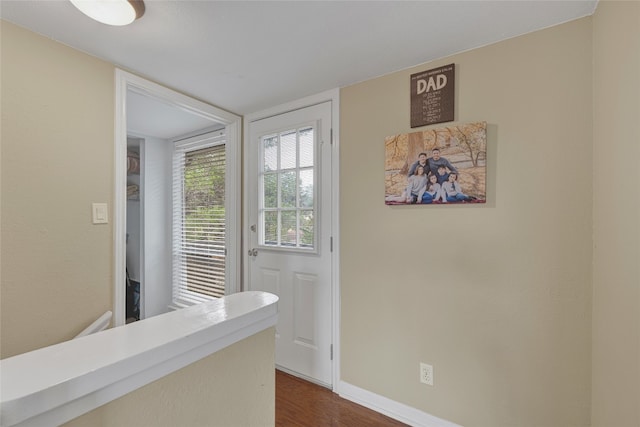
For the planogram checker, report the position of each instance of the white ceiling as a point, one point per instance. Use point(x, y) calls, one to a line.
point(245, 56)
point(147, 116)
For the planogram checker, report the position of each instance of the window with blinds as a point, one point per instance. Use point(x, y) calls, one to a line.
point(199, 224)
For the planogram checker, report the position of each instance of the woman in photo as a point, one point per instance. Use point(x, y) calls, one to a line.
point(416, 186)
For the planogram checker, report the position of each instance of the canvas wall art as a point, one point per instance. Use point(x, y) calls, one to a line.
point(437, 166)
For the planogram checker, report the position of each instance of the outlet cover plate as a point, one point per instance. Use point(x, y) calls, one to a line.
point(426, 374)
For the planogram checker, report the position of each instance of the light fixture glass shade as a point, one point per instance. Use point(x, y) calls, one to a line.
point(111, 12)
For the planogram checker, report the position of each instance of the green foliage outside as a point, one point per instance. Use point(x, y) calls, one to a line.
point(204, 195)
point(289, 208)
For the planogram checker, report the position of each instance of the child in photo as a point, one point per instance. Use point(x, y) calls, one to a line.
point(451, 190)
point(433, 191)
point(443, 175)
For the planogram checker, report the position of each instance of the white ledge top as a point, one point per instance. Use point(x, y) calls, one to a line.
point(55, 384)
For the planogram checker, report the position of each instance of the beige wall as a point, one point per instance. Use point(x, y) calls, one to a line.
point(57, 159)
point(234, 387)
point(616, 215)
point(496, 297)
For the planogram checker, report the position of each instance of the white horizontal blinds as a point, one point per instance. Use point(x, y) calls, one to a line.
point(287, 182)
point(199, 226)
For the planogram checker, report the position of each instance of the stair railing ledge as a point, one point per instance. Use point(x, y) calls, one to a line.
point(55, 384)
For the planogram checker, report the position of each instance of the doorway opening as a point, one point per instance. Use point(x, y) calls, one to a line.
point(151, 121)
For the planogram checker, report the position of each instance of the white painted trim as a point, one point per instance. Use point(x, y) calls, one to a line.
point(233, 189)
point(55, 384)
point(335, 224)
point(126, 81)
point(391, 408)
point(100, 324)
point(333, 96)
point(120, 200)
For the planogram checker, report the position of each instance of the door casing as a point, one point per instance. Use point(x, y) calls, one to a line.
point(125, 81)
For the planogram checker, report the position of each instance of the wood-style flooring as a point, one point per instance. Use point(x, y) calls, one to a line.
point(304, 404)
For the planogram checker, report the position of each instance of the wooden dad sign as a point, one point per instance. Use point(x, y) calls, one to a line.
point(432, 96)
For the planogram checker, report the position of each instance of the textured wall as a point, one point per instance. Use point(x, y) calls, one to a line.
point(233, 387)
point(496, 297)
point(57, 159)
point(616, 215)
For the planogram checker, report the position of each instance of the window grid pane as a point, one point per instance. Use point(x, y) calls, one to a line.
point(271, 228)
point(306, 188)
point(288, 150)
point(288, 232)
point(288, 189)
point(307, 228)
point(270, 161)
point(306, 148)
point(270, 185)
point(287, 198)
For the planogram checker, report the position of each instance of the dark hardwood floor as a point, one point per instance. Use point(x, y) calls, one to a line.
point(304, 404)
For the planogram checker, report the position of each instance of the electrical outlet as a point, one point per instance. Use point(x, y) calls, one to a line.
point(426, 374)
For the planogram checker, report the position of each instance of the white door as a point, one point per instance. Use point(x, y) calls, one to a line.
point(290, 233)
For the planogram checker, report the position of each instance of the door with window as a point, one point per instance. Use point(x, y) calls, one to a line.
point(290, 233)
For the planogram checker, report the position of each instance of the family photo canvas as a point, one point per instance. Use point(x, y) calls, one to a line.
point(444, 165)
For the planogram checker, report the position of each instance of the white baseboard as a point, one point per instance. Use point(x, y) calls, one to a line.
point(390, 408)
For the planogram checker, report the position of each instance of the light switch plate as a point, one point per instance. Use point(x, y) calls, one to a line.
point(100, 213)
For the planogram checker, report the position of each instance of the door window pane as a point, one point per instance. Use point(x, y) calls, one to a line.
point(307, 226)
point(270, 160)
point(306, 188)
point(288, 189)
point(289, 228)
point(288, 150)
point(270, 190)
point(306, 147)
point(271, 228)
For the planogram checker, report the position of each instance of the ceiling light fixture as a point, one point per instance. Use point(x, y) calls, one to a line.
point(111, 12)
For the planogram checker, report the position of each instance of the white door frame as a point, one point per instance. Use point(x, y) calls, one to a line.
point(333, 96)
point(125, 81)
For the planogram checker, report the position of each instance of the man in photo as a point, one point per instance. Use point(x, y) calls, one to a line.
point(422, 161)
point(435, 161)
